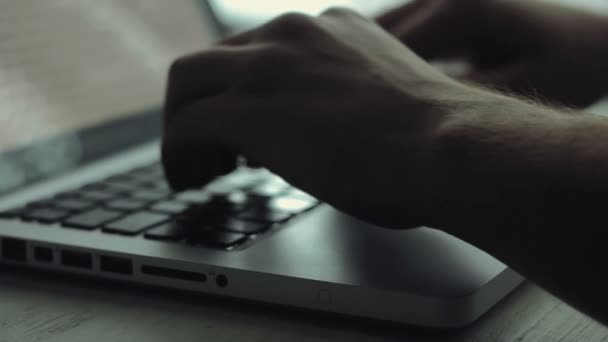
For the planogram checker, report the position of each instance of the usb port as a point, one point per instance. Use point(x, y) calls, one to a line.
point(76, 259)
point(14, 249)
point(115, 265)
point(43, 254)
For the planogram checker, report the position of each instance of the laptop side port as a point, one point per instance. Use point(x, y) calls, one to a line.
point(173, 273)
point(221, 280)
point(76, 259)
point(115, 265)
point(43, 254)
point(14, 249)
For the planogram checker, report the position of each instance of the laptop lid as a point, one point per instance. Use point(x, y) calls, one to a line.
point(82, 79)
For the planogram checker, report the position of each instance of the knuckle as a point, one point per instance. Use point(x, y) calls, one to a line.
point(293, 19)
point(291, 23)
point(178, 67)
point(269, 58)
point(338, 11)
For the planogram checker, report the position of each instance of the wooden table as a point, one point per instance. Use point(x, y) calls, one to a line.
point(47, 307)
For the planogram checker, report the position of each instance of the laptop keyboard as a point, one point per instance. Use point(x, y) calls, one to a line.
point(229, 213)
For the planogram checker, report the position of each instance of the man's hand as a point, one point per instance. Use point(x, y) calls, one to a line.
point(530, 47)
point(334, 104)
point(343, 110)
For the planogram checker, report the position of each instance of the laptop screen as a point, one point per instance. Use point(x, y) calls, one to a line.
point(65, 65)
point(82, 79)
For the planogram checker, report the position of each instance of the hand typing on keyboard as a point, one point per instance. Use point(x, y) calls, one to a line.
point(324, 102)
point(341, 109)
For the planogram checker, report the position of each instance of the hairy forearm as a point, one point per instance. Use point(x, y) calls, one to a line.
point(529, 185)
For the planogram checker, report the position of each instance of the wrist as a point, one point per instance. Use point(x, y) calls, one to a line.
point(491, 152)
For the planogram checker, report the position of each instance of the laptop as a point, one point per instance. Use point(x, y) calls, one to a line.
point(82, 190)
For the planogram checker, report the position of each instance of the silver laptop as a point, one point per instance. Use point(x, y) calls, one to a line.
point(82, 191)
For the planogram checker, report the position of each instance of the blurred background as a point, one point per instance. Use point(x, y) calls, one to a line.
point(72, 63)
point(240, 14)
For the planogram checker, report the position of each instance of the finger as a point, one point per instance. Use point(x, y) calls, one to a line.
point(193, 164)
point(401, 13)
point(199, 144)
point(239, 38)
point(205, 74)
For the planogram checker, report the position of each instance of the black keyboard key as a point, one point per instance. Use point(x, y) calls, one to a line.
point(135, 223)
point(73, 204)
point(100, 186)
point(97, 195)
point(169, 231)
point(158, 185)
point(39, 204)
point(170, 207)
point(245, 227)
point(199, 215)
point(264, 216)
point(199, 233)
point(150, 195)
point(126, 204)
point(92, 219)
point(13, 212)
point(45, 215)
point(67, 194)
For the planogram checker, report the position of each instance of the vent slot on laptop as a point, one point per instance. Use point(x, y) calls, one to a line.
point(14, 249)
point(76, 259)
point(43, 254)
point(173, 273)
point(115, 265)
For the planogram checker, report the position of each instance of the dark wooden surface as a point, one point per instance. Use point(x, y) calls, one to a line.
point(45, 307)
